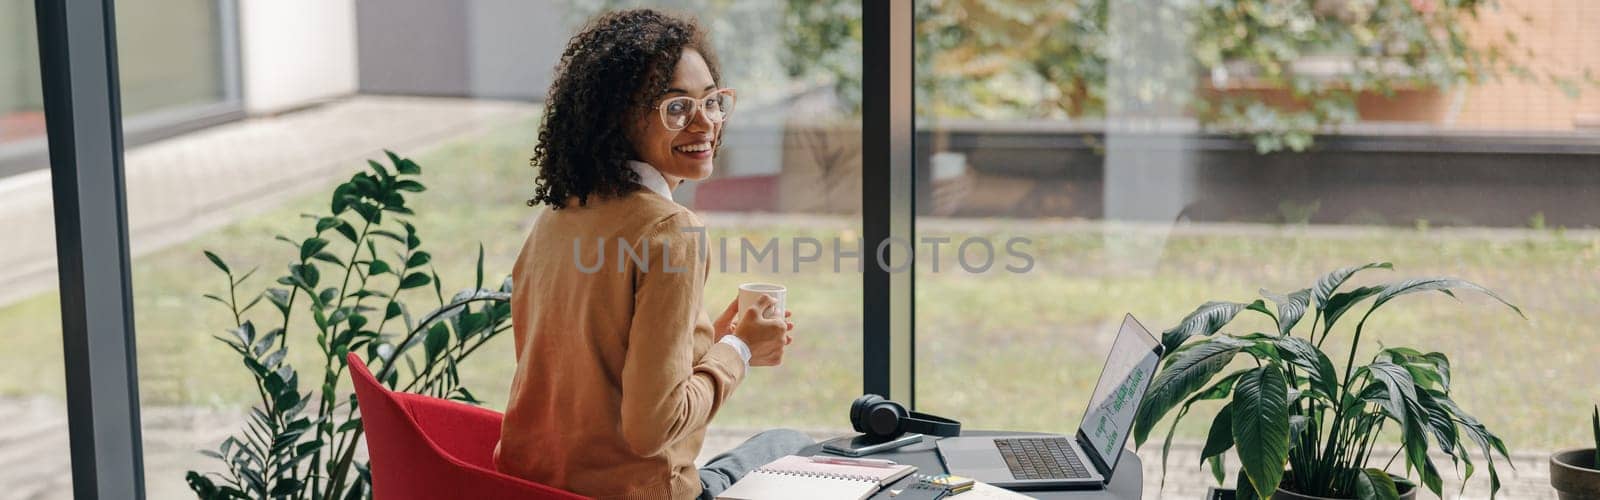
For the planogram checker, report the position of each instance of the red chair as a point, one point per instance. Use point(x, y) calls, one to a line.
point(430, 448)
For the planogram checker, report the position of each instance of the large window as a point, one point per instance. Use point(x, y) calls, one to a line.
point(1162, 154)
point(459, 94)
point(34, 463)
point(1074, 161)
point(178, 72)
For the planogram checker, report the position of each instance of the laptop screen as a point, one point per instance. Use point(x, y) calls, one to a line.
point(1129, 368)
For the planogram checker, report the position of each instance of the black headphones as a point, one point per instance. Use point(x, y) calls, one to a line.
point(881, 418)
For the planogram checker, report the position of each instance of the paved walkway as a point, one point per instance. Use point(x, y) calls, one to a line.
point(181, 187)
point(34, 461)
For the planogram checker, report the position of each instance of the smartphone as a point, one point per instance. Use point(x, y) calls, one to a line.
point(866, 445)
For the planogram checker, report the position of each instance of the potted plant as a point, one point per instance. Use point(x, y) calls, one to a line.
point(303, 443)
point(1575, 474)
point(1301, 428)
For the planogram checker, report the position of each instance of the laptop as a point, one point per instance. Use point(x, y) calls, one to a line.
point(1084, 461)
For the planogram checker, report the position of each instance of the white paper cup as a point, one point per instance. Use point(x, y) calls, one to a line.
point(749, 293)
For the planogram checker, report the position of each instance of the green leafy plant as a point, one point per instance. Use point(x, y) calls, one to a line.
point(1277, 72)
point(1299, 66)
point(301, 445)
point(1290, 407)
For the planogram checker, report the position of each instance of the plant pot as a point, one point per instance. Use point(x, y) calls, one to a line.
point(1574, 474)
point(1215, 493)
point(1409, 102)
point(1407, 105)
point(1228, 494)
point(1407, 492)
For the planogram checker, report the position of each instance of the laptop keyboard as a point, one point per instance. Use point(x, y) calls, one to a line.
point(1041, 458)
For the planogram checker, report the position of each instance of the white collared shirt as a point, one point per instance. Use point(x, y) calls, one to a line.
point(652, 179)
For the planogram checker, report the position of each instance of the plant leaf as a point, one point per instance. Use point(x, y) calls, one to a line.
point(217, 261)
point(1261, 426)
point(1219, 469)
point(1220, 437)
point(1261, 307)
point(1204, 321)
point(1291, 308)
point(1242, 489)
point(1329, 283)
point(305, 275)
point(1186, 373)
point(404, 165)
point(1443, 285)
point(438, 338)
point(1297, 426)
point(1416, 448)
point(477, 284)
point(1401, 397)
point(219, 300)
point(311, 246)
point(414, 280)
point(1439, 423)
point(418, 259)
point(1596, 435)
point(1340, 303)
point(330, 258)
point(1301, 353)
point(1375, 484)
point(246, 276)
point(346, 231)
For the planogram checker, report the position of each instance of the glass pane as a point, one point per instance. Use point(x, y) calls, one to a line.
point(171, 56)
point(21, 104)
point(1158, 155)
point(34, 457)
point(459, 89)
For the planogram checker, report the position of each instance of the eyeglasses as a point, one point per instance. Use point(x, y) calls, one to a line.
point(677, 112)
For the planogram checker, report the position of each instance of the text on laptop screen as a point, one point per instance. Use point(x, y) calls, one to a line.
point(1127, 373)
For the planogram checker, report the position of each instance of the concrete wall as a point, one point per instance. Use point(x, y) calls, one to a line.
point(295, 52)
point(514, 47)
point(413, 47)
point(469, 48)
point(497, 49)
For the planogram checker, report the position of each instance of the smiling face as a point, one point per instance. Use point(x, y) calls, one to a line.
point(684, 154)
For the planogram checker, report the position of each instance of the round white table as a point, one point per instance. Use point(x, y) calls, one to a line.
point(1127, 482)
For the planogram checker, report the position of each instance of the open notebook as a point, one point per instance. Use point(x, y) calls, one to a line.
point(795, 477)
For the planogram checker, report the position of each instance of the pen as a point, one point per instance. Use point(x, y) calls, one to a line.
point(863, 462)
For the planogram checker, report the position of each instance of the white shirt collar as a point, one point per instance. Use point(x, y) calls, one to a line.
point(650, 178)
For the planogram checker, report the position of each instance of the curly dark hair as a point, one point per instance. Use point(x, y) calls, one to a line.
point(617, 67)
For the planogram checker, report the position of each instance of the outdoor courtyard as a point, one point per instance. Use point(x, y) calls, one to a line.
point(979, 337)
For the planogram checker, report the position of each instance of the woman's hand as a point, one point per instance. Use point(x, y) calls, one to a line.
point(723, 326)
point(765, 336)
point(727, 321)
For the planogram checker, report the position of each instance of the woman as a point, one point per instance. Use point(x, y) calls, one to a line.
point(619, 370)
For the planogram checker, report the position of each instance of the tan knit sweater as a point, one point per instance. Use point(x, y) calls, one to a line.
point(617, 372)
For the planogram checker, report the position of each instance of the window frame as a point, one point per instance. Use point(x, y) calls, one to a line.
point(78, 66)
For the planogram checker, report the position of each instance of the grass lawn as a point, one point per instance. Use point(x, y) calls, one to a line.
point(996, 350)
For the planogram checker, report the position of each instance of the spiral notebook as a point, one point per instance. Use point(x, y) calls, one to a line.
point(795, 477)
